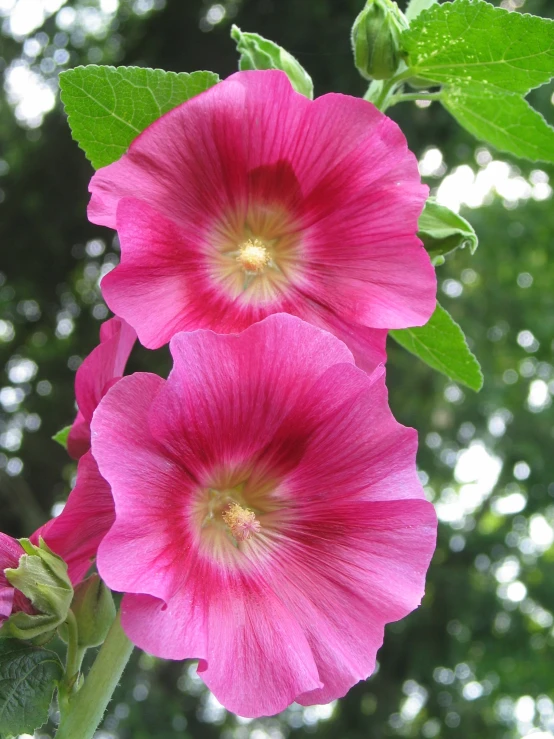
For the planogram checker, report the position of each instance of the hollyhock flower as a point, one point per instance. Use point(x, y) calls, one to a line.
point(269, 518)
point(103, 366)
point(250, 199)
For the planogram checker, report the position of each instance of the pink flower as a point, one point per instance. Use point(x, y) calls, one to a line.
point(11, 600)
point(269, 518)
point(250, 199)
point(103, 366)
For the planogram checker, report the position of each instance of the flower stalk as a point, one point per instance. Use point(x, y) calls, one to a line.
point(87, 707)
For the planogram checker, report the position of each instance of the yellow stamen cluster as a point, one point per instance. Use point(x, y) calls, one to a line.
point(253, 256)
point(242, 522)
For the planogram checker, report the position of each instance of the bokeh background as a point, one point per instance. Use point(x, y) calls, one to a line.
point(475, 661)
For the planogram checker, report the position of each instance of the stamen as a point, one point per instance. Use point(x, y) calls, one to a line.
point(241, 522)
point(253, 256)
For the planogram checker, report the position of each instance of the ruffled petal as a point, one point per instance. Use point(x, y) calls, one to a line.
point(98, 371)
point(347, 570)
point(150, 532)
point(253, 654)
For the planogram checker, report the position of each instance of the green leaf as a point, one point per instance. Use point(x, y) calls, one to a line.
point(442, 345)
point(474, 41)
point(28, 676)
point(443, 231)
point(257, 52)
point(415, 7)
point(108, 107)
point(61, 436)
point(505, 120)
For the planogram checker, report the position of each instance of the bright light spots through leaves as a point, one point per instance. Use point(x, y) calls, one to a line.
point(453, 394)
point(215, 13)
point(527, 341)
point(22, 17)
point(31, 80)
point(524, 279)
point(530, 717)
point(509, 504)
point(539, 395)
point(464, 186)
point(477, 472)
point(29, 93)
point(431, 163)
point(521, 470)
point(88, 285)
point(21, 370)
point(452, 288)
point(6, 331)
point(498, 422)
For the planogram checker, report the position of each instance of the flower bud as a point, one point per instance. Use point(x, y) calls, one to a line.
point(42, 577)
point(94, 611)
point(376, 39)
point(258, 52)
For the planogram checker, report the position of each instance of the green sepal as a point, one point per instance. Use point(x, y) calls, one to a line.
point(442, 231)
point(42, 577)
point(94, 611)
point(257, 52)
point(61, 436)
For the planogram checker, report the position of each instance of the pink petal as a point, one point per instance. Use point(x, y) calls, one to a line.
point(227, 395)
point(253, 655)
point(10, 552)
point(99, 369)
point(346, 572)
point(147, 535)
point(75, 534)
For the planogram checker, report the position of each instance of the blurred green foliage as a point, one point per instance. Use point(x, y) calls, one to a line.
point(475, 659)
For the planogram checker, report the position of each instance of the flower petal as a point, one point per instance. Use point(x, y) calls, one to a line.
point(99, 369)
point(226, 395)
point(347, 571)
point(253, 655)
point(146, 485)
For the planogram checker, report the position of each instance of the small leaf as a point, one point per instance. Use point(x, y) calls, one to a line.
point(61, 436)
point(471, 40)
point(415, 7)
point(107, 107)
point(443, 231)
point(257, 52)
point(28, 677)
point(502, 119)
point(442, 345)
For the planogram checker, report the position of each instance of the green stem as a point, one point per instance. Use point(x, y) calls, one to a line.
point(407, 96)
point(87, 707)
point(72, 663)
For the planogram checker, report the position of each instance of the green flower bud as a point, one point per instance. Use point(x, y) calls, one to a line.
point(258, 52)
point(41, 576)
point(376, 39)
point(94, 611)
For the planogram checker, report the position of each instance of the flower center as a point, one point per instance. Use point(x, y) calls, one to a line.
point(253, 256)
point(241, 522)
